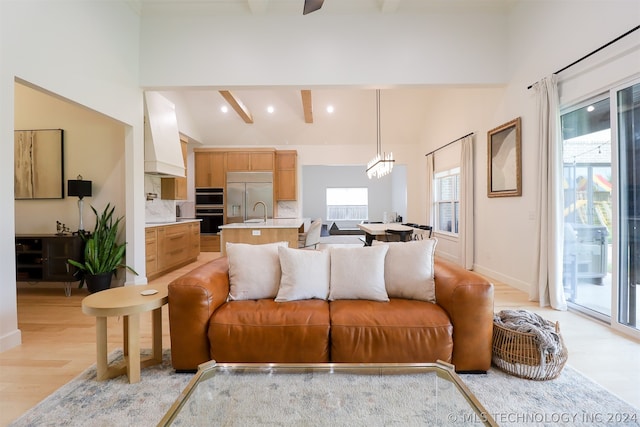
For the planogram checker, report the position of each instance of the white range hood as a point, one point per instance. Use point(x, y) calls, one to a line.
point(162, 150)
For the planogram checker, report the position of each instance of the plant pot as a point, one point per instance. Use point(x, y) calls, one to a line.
point(98, 282)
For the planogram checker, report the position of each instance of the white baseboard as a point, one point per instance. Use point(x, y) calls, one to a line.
point(448, 257)
point(10, 340)
point(511, 281)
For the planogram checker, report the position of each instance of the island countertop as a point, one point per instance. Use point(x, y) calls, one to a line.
point(271, 223)
point(163, 223)
point(258, 232)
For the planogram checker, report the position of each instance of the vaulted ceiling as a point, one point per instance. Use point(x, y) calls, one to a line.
point(290, 116)
point(299, 115)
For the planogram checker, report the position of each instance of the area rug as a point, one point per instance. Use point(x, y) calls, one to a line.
point(571, 399)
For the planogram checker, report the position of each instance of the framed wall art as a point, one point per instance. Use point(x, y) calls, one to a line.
point(38, 164)
point(504, 162)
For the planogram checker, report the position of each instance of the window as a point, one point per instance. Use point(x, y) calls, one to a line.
point(447, 204)
point(347, 204)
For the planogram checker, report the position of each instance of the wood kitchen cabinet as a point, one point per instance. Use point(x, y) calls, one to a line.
point(211, 166)
point(238, 161)
point(151, 248)
point(173, 245)
point(286, 175)
point(242, 161)
point(176, 245)
point(194, 239)
point(209, 169)
point(210, 243)
point(176, 188)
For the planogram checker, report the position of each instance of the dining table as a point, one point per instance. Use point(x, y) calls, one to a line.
point(375, 230)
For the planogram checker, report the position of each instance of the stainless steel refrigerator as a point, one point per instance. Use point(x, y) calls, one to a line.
point(244, 190)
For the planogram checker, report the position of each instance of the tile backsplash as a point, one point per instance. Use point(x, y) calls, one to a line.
point(156, 209)
point(287, 209)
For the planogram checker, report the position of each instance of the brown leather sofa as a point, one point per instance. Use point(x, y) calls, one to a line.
point(205, 326)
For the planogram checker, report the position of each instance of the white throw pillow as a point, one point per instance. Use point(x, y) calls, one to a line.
point(358, 273)
point(408, 269)
point(305, 274)
point(254, 270)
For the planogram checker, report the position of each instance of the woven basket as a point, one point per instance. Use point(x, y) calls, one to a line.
point(518, 353)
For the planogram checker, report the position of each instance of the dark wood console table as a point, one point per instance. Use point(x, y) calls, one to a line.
point(43, 258)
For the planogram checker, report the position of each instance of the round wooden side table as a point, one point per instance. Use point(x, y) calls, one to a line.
point(128, 302)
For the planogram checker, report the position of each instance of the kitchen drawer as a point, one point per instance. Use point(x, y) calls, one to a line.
point(151, 251)
point(173, 245)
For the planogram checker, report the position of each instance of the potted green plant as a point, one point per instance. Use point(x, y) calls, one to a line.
point(103, 254)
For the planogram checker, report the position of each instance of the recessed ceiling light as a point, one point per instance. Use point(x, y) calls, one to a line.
point(270, 109)
point(224, 109)
point(329, 109)
point(590, 108)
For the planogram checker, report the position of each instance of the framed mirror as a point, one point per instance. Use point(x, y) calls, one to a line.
point(504, 163)
point(38, 164)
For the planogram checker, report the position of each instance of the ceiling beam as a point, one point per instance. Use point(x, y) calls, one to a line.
point(237, 105)
point(307, 107)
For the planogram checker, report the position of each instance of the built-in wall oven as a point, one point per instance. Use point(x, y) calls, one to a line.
point(209, 196)
point(210, 209)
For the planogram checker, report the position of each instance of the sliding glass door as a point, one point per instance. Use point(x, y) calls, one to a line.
point(601, 189)
point(587, 272)
point(628, 133)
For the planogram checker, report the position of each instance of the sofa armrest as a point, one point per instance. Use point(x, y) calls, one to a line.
point(468, 299)
point(193, 298)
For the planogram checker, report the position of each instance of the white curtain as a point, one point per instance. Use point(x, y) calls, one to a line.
point(549, 218)
point(429, 186)
point(466, 231)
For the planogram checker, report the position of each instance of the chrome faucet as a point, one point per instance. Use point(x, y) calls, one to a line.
point(260, 202)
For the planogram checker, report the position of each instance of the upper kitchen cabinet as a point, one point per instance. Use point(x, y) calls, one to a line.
point(242, 161)
point(210, 172)
point(176, 188)
point(286, 175)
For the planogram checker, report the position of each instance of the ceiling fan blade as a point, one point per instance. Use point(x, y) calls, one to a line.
point(311, 6)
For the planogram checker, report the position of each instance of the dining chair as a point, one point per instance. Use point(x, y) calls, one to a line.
point(426, 228)
point(311, 237)
point(398, 235)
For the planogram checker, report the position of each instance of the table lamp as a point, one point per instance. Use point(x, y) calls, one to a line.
point(79, 188)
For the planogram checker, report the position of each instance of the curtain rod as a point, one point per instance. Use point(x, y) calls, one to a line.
point(446, 145)
point(593, 52)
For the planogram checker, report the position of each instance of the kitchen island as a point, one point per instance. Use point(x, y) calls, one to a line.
point(259, 232)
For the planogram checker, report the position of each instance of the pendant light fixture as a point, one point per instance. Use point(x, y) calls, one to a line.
point(382, 163)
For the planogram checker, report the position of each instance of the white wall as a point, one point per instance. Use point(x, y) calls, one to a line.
point(456, 112)
point(337, 50)
point(544, 37)
point(86, 52)
point(93, 148)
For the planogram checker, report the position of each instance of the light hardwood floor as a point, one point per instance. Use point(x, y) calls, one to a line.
point(59, 343)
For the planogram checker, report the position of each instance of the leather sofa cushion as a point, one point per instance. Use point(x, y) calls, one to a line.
point(265, 331)
point(398, 331)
